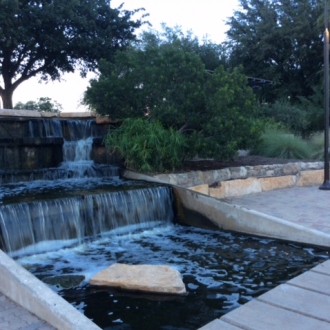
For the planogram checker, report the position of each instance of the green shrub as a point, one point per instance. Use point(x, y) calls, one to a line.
point(296, 118)
point(282, 144)
point(147, 146)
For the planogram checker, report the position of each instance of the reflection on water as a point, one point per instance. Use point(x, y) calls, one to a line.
point(220, 270)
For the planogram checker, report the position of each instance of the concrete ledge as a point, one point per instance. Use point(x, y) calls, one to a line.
point(288, 306)
point(204, 211)
point(35, 296)
point(218, 324)
point(19, 113)
point(260, 315)
point(85, 114)
point(37, 114)
point(235, 218)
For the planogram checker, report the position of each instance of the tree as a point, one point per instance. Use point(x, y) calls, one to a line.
point(280, 41)
point(166, 81)
point(45, 104)
point(46, 38)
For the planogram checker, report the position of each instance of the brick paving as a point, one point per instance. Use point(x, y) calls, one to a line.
point(15, 317)
point(306, 206)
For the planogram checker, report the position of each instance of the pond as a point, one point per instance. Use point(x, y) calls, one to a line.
point(221, 271)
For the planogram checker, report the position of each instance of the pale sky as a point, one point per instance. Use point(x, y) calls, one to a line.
point(204, 18)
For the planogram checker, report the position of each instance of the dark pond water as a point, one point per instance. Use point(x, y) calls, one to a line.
point(221, 271)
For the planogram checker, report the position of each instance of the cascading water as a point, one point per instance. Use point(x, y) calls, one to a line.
point(77, 200)
point(33, 227)
point(77, 148)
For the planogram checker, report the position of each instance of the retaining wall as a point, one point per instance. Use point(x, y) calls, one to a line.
point(238, 181)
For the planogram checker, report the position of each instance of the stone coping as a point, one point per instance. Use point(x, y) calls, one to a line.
point(195, 178)
point(37, 114)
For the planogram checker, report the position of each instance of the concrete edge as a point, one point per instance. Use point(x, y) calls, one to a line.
point(127, 174)
point(27, 291)
point(38, 114)
point(239, 219)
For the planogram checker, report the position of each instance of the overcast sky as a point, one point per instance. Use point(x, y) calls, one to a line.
point(204, 18)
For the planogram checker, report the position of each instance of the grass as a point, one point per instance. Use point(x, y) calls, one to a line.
point(284, 145)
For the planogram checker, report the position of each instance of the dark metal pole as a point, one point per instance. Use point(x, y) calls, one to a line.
point(326, 183)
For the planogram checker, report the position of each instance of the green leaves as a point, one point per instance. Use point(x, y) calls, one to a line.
point(44, 104)
point(280, 41)
point(48, 38)
point(166, 81)
point(146, 146)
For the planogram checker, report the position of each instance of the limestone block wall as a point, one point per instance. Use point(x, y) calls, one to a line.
point(238, 181)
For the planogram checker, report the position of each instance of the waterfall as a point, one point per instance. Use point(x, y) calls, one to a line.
point(45, 128)
point(31, 227)
point(77, 148)
point(76, 201)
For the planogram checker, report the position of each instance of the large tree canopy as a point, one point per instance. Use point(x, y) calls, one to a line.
point(165, 79)
point(49, 37)
point(279, 41)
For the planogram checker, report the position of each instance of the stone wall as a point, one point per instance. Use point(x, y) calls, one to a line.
point(238, 181)
point(212, 178)
point(26, 146)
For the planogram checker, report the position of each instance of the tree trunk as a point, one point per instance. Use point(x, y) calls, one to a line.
point(7, 98)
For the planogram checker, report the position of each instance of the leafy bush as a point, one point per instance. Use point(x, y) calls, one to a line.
point(167, 82)
point(282, 144)
point(147, 146)
point(292, 116)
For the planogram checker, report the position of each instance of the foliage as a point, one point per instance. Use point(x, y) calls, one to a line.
point(147, 146)
point(166, 80)
point(280, 41)
point(304, 117)
point(47, 38)
point(43, 104)
point(284, 145)
point(314, 107)
point(293, 116)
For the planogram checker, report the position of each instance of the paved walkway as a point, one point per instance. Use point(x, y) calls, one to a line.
point(302, 303)
point(14, 317)
point(306, 206)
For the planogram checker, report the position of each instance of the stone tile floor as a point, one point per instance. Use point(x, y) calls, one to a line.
point(306, 206)
point(14, 317)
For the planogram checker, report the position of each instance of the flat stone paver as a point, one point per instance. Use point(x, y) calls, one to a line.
point(313, 281)
point(298, 300)
point(257, 315)
point(14, 317)
point(218, 324)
